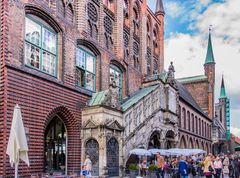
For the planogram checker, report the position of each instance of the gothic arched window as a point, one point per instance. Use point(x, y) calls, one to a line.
point(92, 14)
point(125, 13)
point(135, 22)
point(40, 45)
point(148, 33)
point(155, 41)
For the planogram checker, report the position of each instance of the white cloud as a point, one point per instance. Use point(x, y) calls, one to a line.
point(225, 20)
point(235, 131)
point(174, 9)
point(188, 51)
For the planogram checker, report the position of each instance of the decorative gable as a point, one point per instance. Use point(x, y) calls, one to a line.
point(90, 124)
point(114, 125)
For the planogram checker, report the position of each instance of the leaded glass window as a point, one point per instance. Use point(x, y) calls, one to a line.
point(116, 75)
point(40, 47)
point(85, 71)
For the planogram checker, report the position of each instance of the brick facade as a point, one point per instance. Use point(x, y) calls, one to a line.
point(42, 96)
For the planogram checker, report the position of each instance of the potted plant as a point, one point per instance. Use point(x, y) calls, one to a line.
point(133, 169)
point(152, 168)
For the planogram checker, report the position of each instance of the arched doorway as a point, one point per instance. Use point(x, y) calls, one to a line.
point(55, 146)
point(183, 143)
point(154, 141)
point(92, 150)
point(169, 139)
point(113, 158)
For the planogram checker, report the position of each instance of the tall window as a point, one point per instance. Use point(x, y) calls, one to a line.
point(85, 69)
point(135, 22)
point(40, 46)
point(116, 75)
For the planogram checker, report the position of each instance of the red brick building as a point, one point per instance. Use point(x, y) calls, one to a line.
point(55, 54)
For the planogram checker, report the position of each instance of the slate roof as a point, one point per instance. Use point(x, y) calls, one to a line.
point(192, 78)
point(137, 96)
point(159, 7)
point(186, 96)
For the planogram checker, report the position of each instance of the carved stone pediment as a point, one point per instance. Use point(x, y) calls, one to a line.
point(90, 124)
point(114, 125)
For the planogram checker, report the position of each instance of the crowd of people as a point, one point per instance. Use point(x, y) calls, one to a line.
point(209, 166)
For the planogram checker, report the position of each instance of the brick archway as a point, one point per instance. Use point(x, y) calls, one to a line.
point(73, 135)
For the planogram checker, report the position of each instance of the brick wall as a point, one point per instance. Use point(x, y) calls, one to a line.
point(40, 101)
point(3, 81)
point(199, 91)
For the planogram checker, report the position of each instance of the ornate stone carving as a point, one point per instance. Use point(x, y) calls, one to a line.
point(112, 97)
point(170, 75)
point(90, 124)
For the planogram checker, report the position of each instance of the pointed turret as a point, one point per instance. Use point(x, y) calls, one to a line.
point(159, 7)
point(209, 57)
point(223, 91)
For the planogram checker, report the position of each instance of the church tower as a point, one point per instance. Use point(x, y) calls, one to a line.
point(209, 68)
point(159, 13)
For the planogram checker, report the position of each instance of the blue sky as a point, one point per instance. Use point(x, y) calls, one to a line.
point(186, 31)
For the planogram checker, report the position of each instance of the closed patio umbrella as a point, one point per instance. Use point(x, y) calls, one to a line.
point(17, 147)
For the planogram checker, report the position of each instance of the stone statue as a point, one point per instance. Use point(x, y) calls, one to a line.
point(112, 96)
point(170, 74)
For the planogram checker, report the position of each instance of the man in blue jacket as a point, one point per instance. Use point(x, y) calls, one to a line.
point(183, 167)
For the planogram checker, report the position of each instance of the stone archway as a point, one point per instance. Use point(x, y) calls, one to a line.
point(190, 143)
point(183, 143)
point(154, 141)
point(170, 139)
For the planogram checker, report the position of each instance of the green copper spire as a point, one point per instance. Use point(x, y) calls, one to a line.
point(223, 92)
point(210, 56)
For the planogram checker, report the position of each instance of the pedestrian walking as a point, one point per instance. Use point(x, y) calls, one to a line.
point(208, 167)
point(226, 167)
point(183, 167)
point(160, 165)
point(218, 167)
point(86, 168)
point(236, 167)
